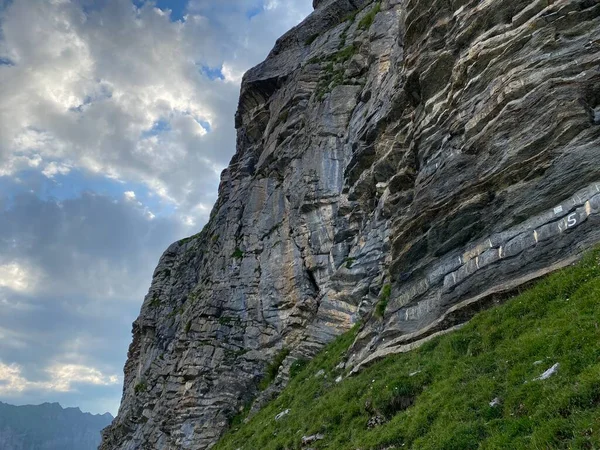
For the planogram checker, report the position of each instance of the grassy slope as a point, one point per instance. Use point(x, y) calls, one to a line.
point(446, 404)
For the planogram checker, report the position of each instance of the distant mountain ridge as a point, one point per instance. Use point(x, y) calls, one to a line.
point(49, 426)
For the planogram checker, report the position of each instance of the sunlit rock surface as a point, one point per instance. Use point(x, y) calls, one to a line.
point(449, 149)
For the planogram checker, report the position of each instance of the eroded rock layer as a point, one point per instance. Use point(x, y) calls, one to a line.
point(427, 155)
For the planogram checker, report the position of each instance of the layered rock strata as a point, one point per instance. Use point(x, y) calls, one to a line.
point(404, 163)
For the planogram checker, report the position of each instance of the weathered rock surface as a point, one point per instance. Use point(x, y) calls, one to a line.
point(449, 149)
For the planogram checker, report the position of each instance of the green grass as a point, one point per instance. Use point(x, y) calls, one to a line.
point(312, 38)
point(366, 22)
point(237, 254)
point(175, 312)
point(297, 367)
point(283, 117)
point(227, 320)
point(195, 236)
point(140, 387)
point(273, 368)
point(384, 299)
point(438, 396)
point(348, 262)
point(343, 55)
point(155, 302)
point(333, 71)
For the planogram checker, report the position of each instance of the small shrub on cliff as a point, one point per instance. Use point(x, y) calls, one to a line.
point(345, 54)
point(384, 299)
point(273, 368)
point(366, 22)
point(189, 239)
point(140, 387)
point(155, 302)
point(311, 39)
point(283, 117)
point(238, 419)
point(237, 254)
point(349, 262)
point(333, 71)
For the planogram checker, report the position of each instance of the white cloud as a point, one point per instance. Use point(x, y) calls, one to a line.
point(232, 75)
point(60, 378)
point(55, 168)
point(64, 376)
point(18, 277)
point(91, 88)
point(19, 162)
point(122, 93)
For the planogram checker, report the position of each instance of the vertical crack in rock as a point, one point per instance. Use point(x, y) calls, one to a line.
point(449, 149)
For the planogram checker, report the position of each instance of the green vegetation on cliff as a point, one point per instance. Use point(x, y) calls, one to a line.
point(475, 388)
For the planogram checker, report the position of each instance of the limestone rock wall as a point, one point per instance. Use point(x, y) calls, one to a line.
point(444, 151)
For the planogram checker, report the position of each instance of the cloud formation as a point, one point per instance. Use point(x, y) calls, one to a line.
point(62, 378)
point(116, 118)
point(72, 277)
point(127, 92)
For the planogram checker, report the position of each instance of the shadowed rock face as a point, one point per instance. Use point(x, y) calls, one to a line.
point(449, 149)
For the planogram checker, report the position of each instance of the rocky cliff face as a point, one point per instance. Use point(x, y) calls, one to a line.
point(404, 163)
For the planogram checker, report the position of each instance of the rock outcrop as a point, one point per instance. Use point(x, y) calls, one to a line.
point(404, 163)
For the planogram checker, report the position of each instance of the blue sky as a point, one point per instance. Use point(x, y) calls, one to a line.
point(116, 119)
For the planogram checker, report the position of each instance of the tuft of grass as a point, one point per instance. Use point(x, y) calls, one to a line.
point(297, 367)
point(189, 239)
point(195, 236)
point(311, 39)
point(273, 368)
point(283, 117)
point(344, 54)
point(349, 262)
point(193, 297)
point(237, 254)
point(238, 418)
point(188, 326)
point(351, 17)
point(438, 396)
point(175, 312)
point(226, 320)
point(142, 386)
point(366, 22)
point(384, 299)
point(155, 302)
point(333, 72)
